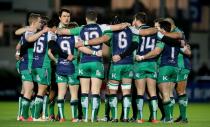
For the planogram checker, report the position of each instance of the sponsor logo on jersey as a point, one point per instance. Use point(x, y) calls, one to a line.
point(80, 71)
point(113, 75)
point(98, 73)
point(165, 77)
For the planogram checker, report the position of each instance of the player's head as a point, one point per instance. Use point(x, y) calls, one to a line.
point(116, 20)
point(171, 21)
point(91, 16)
point(73, 25)
point(35, 20)
point(165, 26)
point(156, 22)
point(52, 23)
point(44, 20)
point(139, 18)
point(64, 17)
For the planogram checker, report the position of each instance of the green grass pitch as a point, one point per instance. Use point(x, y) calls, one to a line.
point(198, 116)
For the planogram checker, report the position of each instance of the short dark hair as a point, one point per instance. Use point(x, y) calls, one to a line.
point(91, 15)
point(33, 17)
point(116, 20)
point(52, 23)
point(141, 16)
point(165, 25)
point(158, 20)
point(63, 10)
point(44, 20)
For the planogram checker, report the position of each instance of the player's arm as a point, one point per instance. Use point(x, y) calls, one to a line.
point(22, 30)
point(99, 40)
point(186, 50)
point(17, 54)
point(144, 32)
point(131, 48)
point(52, 57)
point(18, 46)
point(119, 26)
point(175, 35)
point(72, 31)
point(129, 51)
point(34, 37)
point(158, 49)
point(169, 40)
point(86, 50)
point(148, 31)
point(96, 41)
point(153, 53)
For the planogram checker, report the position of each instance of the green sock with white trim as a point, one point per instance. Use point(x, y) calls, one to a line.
point(113, 105)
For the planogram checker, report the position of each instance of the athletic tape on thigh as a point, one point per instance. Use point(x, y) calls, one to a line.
point(126, 86)
point(113, 86)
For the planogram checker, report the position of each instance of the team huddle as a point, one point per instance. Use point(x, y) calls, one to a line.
point(54, 57)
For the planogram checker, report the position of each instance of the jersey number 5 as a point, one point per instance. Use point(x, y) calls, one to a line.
point(39, 45)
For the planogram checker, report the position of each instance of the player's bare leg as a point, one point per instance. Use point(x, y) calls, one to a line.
point(39, 100)
point(45, 114)
point(113, 87)
point(28, 90)
point(74, 101)
point(182, 100)
point(95, 100)
point(151, 88)
point(52, 104)
point(85, 88)
point(62, 88)
point(126, 91)
point(20, 103)
point(140, 86)
point(172, 97)
point(165, 89)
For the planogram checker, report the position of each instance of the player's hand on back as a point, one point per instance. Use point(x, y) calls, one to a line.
point(54, 29)
point(70, 57)
point(183, 43)
point(139, 58)
point(99, 53)
point(80, 43)
point(46, 29)
point(116, 58)
point(125, 24)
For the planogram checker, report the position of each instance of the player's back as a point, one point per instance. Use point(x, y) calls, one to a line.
point(40, 56)
point(121, 41)
point(169, 55)
point(88, 32)
point(147, 44)
point(27, 58)
point(66, 44)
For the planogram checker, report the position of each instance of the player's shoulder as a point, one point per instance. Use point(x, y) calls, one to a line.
point(144, 26)
point(134, 30)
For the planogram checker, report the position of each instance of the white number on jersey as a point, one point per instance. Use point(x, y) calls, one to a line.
point(91, 35)
point(65, 46)
point(148, 45)
point(172, 52)
point(122, 41)
point(39, 45)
